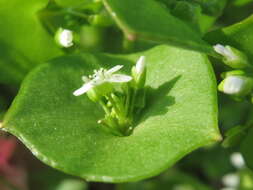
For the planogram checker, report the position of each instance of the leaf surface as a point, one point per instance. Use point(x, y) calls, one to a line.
point(246, 149)
point(150, 21)
point(62, 130)
point(23, 41)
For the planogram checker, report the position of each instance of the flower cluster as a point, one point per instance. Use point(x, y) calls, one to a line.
point(116, 93)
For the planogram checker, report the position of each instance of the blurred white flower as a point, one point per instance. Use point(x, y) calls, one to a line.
point(64, 37)
point(231, 180)
point(237, 160)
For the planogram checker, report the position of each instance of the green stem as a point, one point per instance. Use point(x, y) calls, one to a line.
point(119, 102)
point(76, 13)
point(131, 109)
point(127, 103)
point(105, 108)
point(114, 104)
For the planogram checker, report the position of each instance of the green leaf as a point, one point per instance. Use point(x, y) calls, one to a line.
point(62, 130)
point(55, 180)
point(247, 142)
point(234, 136)
point(150, 21)
point(246, 149)
point(239, 35)
point(172, 179)
point(212, 7)
point(199, 15)
point(23, 41)
point(241, 2)
point(71, 3)
point(246, 179)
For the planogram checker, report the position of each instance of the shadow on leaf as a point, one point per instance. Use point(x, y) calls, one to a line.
point(158, 100)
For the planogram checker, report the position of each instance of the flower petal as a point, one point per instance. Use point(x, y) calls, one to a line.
point(85, 88)
point(233, 84)
point(114, 69)
point(119, 78)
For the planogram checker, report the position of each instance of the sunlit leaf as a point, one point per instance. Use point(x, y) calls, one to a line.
point(62, 130)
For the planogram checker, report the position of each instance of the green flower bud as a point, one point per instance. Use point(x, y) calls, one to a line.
point(139, 73)
point(232, 57)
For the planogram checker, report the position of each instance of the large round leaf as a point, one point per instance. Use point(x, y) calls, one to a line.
point(62, 130)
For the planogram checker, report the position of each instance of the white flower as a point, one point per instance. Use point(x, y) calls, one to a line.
point(233, 85)
point(231, 180)
point(140, 65)
point(101, 76)
point(237, 160)
point(225, 51)
point(65, 37)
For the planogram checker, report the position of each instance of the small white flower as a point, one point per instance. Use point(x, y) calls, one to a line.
point(233, 85)
point(140, 65)
point(225, 51)
point(101, 76)
point(65, 37)
point(231, 180)
point(237, 160)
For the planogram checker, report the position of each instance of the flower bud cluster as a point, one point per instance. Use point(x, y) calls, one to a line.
point(117, 94)
point(238, 83)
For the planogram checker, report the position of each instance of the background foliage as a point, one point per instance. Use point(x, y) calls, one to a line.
point(187, 29)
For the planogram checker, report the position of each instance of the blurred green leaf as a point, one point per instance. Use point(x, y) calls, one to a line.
point(241, 2)
point(150, 21)
point(212, 7)
point(197, 13)
point(246, 179)
point(189, 12)
point(246, 148)
point(232, 113)
point(50, 179)
point(234, 136)
point(72, 3)
point(213, 171)
point(62, 130)
point(24, 43)
point(172, 180)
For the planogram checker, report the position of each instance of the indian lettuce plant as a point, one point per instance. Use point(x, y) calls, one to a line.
point(120, 91)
